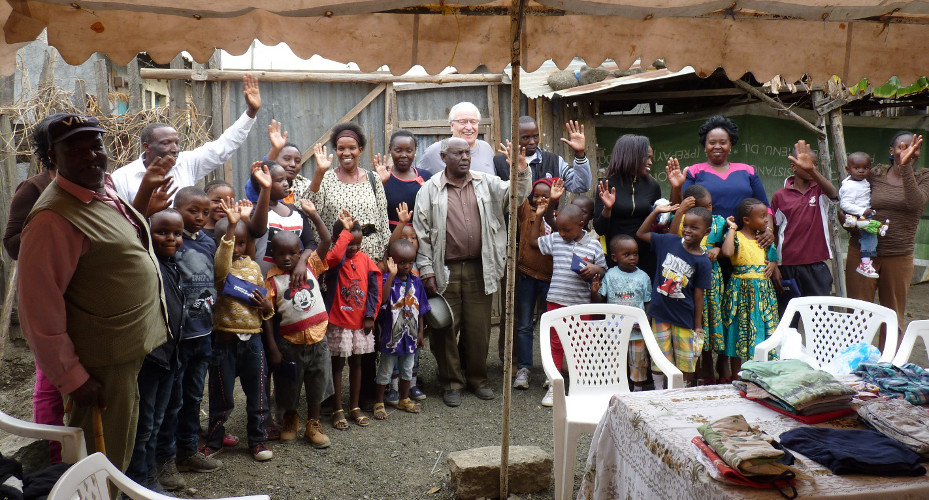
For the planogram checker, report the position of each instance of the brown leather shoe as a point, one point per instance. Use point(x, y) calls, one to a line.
point(314, 433)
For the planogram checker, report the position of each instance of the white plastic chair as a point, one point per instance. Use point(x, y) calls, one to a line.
point(596, 352)
point(916, 329)
point(830, 324)
point(87, 480)
point(71, 438)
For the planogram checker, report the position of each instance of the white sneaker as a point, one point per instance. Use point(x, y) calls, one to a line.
point(866, 269)
point(547, 383)
point(549, 399)
point(522, 379)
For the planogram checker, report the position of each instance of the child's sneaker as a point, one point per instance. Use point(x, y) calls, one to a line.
point(199, 461)
point(291, 423)
point(314, 432)
point(549, 399)
point(866, 269)
point(416, 394)
point(391, 397)
point(230, 440)
point(522, 379)
point(261, 452)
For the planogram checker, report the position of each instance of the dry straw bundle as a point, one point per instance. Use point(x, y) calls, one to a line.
point(122, 137)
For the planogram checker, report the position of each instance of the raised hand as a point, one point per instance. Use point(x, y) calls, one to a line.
point(557, 190)
point(157, 172)
point(262, 175)
point(663, 209)
point(404, 215)
point(307, 206)
point(323, 158)
point(576, 139)
point(505, 149)
point(541, 207)
point(252, 95)
point(391, 266)
point(278, 139)
point(246, 207)
point(911, 154)
point(675, 176)
point(595, 284)
point(346, 219)
point(233, 212)
point(804, 158)
point(730, 221)
point(161, 197)
point(607, 195)
point(381, 167)
point(687, 204)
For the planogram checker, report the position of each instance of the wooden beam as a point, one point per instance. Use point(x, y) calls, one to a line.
point(410, 124)
point(390, 96)
point(826, 159)
point(449, 85)
point(493, 105)
point(308, 76)
point(47, 76)
point(651, 96)
point(79, 96)
point(227, 122)
point(177, 89)
point(102, 86)
point(779, 106)
point(7, 188)
point(135, 86)
point(348, 116)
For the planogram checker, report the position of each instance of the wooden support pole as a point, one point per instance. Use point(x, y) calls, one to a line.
point(309, 76)
point(47, 76)
point(135, 86)
point(826, 158)
point(389, 107)
point(348, 116)
point(177, 89)
point(7, 188)
point(517, 13)
point(102, 86)
point(778, 106)
point(79, 96)
point(493, 105)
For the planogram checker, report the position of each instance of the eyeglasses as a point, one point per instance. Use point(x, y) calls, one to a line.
point(466, 121)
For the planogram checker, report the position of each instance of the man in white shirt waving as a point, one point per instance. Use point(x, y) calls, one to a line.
point(160, 139)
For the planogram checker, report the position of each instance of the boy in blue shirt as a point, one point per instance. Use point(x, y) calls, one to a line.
point(683, 273)
point(625, 284)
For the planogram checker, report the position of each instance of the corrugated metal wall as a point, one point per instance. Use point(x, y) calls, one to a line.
point(307, 110)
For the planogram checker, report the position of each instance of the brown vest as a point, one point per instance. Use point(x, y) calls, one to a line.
point(114, 302)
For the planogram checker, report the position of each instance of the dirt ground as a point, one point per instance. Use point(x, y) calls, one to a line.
point(402, 457)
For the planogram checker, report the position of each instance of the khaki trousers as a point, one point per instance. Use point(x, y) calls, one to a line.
point(471, 308)
point(892, 287)
point(121, 389)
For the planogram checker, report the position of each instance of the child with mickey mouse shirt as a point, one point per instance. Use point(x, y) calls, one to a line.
point(303, 324)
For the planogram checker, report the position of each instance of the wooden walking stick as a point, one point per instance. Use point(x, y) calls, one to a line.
point(98, 431)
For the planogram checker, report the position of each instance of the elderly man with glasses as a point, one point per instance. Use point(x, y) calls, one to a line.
point(463, 119)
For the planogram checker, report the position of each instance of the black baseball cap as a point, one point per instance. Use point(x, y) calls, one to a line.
point(68, 125)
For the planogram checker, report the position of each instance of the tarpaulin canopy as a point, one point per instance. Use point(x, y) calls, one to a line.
point(849, 38)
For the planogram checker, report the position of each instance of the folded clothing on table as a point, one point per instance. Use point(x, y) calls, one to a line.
point(794, 382)
point(746, 449)
point(900, 420)
point(908, 381)
point(852, 451)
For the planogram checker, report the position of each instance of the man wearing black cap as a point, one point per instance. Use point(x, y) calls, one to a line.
point(91, 302)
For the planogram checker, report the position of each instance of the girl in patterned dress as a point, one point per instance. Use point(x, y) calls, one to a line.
point(749, 302)
point(699, 196)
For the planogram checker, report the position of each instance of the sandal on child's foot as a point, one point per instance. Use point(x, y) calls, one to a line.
point(338, 420)
point(408, 406)
point(379, 412)
point(360, 418)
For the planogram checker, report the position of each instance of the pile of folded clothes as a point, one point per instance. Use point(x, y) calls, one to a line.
point(900, 420)
point(735, 453)
point(908, 381)
point(853, 451)
point(793, 388)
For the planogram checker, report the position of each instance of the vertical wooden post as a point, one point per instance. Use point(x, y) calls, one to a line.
point(8, 184)
point(493, 105)
point(177, 89)
point(226, 122)
point(827, 157)
point(201, 110)
point(135, 86)
point(516, 27)
point(102, 85)
point(389, 107)
point(586, 120)
point(47, 76)
point(79, 96)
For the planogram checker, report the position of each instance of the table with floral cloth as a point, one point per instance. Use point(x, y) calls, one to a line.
point(642, 450)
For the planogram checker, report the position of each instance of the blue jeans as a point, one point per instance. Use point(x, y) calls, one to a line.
point(868, 242)
point(244, 359)
point(528, 291)
point(155, 385)
point(181, 427)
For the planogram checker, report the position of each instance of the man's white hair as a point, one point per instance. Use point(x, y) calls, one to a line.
point(462, 106)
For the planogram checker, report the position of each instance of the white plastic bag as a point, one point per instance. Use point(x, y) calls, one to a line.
point(849, 358)
point(793, 348)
